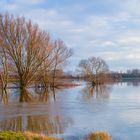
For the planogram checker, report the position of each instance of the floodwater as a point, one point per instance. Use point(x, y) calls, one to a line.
point(74, 112)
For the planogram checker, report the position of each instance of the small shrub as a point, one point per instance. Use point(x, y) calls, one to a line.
point(98, 136)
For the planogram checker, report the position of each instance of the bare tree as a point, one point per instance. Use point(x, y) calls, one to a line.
point(61, 54)
point(31, 53)
point(52, 66)
point(26, 45)
point(94, 68)
point(4, 66)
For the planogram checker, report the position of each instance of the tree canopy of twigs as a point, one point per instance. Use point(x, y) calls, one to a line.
point(94, 68)
point(29, 50)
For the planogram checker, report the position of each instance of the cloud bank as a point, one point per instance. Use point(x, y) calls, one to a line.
point(106, 28)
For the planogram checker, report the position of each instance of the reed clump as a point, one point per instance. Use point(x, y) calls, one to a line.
point(98, 136)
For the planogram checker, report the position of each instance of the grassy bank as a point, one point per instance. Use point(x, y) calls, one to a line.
point(10, 135)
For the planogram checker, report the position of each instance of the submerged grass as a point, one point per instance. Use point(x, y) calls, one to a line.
point(99, 136)
point(10, 135)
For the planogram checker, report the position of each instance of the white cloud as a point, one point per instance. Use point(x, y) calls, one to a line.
point(29, 2)
point(114, 37)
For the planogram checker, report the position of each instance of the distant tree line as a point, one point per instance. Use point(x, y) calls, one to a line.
point(131, 74)
point(128, 76)
point(133, 71)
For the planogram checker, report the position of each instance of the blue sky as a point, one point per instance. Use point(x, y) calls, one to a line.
point(106, 28)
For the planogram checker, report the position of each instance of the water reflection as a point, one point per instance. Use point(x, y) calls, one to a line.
point(32, 110)
point(28, 95)
point(103, 107)
point(48, 125)
point(97, 92)
point(135, 83)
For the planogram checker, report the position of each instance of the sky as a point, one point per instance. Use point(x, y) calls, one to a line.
point(109, 29)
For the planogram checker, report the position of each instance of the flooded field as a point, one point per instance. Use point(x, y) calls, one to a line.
point(74, 112)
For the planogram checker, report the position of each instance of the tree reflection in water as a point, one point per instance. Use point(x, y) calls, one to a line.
point(134, 82)
point(38, 117)
point(28, 95)
point(48, 125)
point(97, 92)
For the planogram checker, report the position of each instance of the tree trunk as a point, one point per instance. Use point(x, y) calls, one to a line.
point(3, 82)
point(22, 84)
point(93, 83)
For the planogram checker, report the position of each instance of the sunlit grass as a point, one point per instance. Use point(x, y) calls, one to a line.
point(98, 136)
point(10, 135)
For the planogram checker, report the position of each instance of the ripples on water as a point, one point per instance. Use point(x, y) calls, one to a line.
point(75, 111)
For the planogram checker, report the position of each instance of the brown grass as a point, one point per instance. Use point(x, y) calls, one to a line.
point(99, 136)
point(30, 136)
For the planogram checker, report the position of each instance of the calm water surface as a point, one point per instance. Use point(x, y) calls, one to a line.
point(74, 112)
